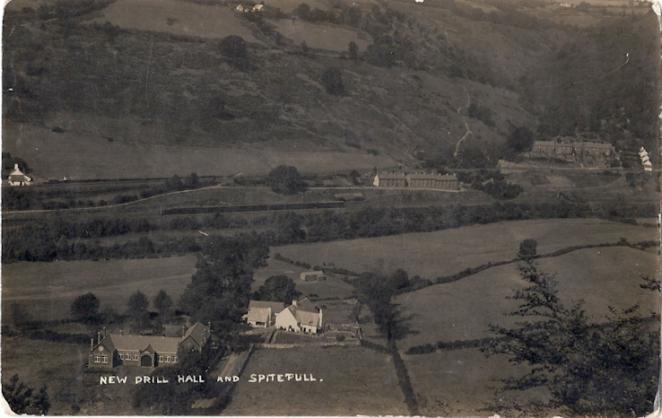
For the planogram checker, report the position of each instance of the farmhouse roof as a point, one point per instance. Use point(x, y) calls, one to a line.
point(304, 317)
point(266, 304)
point(432, 176)
point(198, 332)
point(143, 342)
point(392, 175)
point(263, 310)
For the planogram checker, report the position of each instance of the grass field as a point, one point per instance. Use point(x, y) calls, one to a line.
point(355, 381)
point(177, 17)
point(460, 382)
point(51, 160)
point(321, 36)
point(433, 254)
point(330, 288)
point(463, 310)
point(47, 289)
point(58, 365)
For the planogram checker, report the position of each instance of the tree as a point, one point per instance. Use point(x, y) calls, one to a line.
point(220, 288)
point(482, 113)
point(303, 11)
point(278, 288)
point(355, 176)
point(234, 46)
point(332, 81)
point(137, 309)
point(520, 139)
point(23, 400)
point(234, 49)
point(193, 181)
point(353, 51)
point(399, 279)
point(528, 248)
point(608, 368)
point(286, 180)
point(85, 308)
point(163, 304)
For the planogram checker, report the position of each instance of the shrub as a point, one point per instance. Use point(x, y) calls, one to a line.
point(286, 180)
point(332, 81)
point(482, 113)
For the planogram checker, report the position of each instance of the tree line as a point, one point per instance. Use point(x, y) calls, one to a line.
point(40, 242)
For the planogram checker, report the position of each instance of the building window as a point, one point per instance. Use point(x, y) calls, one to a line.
point(174, 359)
point(134, 356)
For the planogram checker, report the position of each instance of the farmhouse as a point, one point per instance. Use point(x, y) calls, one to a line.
point(262, 313)
point(417, 180)
point(573, 150)
point(112, 350)
point(312, 276)
point(300, 316)
point(18, 178)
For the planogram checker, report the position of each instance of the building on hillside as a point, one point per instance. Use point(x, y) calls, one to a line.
point(417, 180)
point(300, 316)
point(573, 150)
point(312, 276)
point(424, 180)
point(150, 351)
point(18, 178)
point(645, 160)
point(262, 313)
point(390, 180)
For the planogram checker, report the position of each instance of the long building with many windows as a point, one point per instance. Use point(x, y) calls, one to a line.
point(112, 350)
point(416, 180)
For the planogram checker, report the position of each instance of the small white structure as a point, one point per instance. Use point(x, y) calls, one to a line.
point(18, 178)
point(300, 316)
point(645, 160)
point(312, 276)
point(258, 8)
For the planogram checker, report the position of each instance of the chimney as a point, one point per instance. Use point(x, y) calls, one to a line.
point(16, 166)
point(294, 302)
point(98, 337)
point(91, 343)
point(104, 332)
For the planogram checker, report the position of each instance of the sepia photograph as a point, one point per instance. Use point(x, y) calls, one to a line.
point(331, 207)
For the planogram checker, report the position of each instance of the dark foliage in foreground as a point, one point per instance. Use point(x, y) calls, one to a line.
point(23, 399)
point(589, 369)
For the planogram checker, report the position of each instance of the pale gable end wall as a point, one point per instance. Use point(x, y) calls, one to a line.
point(286, 320)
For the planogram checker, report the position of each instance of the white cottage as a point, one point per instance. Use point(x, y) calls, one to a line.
point(262, 313)
point(18, 178)
point(300, 316)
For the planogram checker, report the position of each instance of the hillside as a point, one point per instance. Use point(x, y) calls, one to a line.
point(130, 88)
